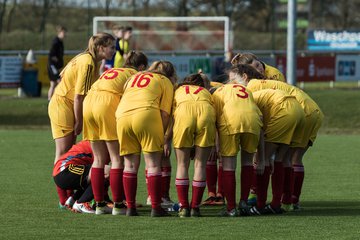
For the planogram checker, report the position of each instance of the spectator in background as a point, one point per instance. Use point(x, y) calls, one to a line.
point(56, 59)
point(118, 32)
point(122, 48)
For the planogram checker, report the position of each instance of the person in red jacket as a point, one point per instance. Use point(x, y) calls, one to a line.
point(72, 172)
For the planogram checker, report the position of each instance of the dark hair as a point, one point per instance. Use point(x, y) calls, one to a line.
point(193, 79)
point(128, 28)
point(60, 28)
point(136, 59)
point(250, 71)
point(243, 58)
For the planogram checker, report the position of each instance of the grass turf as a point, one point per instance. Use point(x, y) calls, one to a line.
point(29, 203)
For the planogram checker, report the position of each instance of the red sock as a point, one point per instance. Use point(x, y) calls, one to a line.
point(165, 181)
point(198, 188)
point(211, 177)
point(154, 183)
point(116, 184)
point(262, 187)
point(182, 188)
point(277, 184)
point(97, 183)
point(288, 185)
point(69, 193)
point(147, 182)
point(220, 180)
point(299, 173)
point(229, 189)
point(246, 177)
point(62, 195)
point(130, 187)
point(253, 181)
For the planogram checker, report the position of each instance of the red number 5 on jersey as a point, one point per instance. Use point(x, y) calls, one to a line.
point(111, 73)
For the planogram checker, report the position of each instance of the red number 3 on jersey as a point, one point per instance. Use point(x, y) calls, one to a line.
point(242, 90)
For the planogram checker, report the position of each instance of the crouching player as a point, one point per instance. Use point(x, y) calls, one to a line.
point(239, 125)
point(313, 120)
point(194, 125)
point(72, 172)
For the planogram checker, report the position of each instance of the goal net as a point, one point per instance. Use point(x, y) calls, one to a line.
point(159, 35)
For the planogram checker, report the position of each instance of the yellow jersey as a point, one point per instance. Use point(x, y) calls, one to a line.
point(113, 80)
point(119, 59)
point(269, 100)
point(236, 111)
point(308, 105)
point(77, 77)
point(191, 93)
point(146, 90)
point(216, 84)
point(273, 73)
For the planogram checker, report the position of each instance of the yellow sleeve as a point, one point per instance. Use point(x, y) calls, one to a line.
point(274, 73)
point(166, 100)
point(218, 105)
point(84, 79)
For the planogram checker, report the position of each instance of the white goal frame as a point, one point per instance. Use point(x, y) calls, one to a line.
point(225, 19)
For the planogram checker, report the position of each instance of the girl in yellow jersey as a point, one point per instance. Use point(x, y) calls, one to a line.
point(194, 126)
point(284, 121)
point(239, 125)
point(268, 71)
point(142, 119)
point(100, 128)
point(313, 121)
point(65, 106)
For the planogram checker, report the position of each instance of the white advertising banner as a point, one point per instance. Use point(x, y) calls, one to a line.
point(347, 68)
point(10, 71)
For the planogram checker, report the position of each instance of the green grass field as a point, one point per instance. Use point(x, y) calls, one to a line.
point(28, 200)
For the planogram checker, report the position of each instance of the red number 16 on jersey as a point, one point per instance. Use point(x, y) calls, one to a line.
point(142, 80)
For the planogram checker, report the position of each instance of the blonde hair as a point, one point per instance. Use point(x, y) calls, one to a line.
point(165, 68)
point(96, 41)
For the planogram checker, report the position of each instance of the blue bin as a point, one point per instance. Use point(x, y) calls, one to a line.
point(30, 84)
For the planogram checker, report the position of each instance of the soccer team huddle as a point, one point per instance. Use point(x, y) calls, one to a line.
point(140, 109)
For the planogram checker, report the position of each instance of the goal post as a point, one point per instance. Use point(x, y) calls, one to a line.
point(172, 34)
